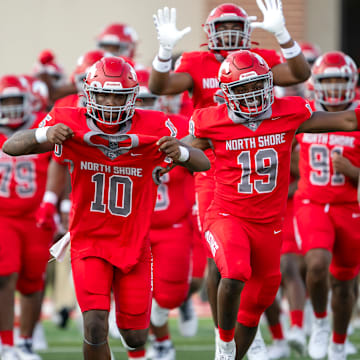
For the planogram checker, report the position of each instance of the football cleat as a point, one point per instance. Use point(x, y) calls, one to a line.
point(297, 339)
point(164, 350)
point(225, 350)
point(9, 353)
point(39, 339)
point(350, 348)
point(336, 352)
point(319, 339)
point(188, 320)
point(279, 349)
point(258, 350)
point(25, 352)
point(150, 351)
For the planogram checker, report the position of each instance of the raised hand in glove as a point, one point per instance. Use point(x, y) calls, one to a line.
point(274, 21)
point(167, 33)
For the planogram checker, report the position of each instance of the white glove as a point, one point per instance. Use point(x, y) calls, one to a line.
point(274, 20)
point(167, 33)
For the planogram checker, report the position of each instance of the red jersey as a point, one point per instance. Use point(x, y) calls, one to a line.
point(252, 159)
point(22, 178)
point(318, 181)
point(203, 66)
point(175, 196)
point(73, 100)
point(113, 192)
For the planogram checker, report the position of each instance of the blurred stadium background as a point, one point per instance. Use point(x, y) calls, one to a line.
point(69, 27)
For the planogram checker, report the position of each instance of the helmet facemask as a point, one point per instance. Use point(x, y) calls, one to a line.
point(334, 92)
point(110, 115)
point(228, 39)
point(249, 103)
point(14, 112)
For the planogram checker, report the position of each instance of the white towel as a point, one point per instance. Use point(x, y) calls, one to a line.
point(58, 250)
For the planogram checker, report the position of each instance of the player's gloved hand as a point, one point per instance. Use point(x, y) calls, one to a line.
point(167, 33)
point(274, 20)
point(45, 216)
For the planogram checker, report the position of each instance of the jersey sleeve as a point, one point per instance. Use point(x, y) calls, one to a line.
point(183, 63)
point(195, 128)
point(49, 119)
point(302, 109)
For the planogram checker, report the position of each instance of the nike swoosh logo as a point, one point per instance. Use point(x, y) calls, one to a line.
point(276, 118)
point(277, 231)
point(132, 154)
point(355, 215)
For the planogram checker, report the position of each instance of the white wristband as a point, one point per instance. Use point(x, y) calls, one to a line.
point(40, 134)
point(283, 37)
point(184, 154)
point(164, 53)
point(291, 52)
point(65, 206)
point(161, 66)
point(50, 197)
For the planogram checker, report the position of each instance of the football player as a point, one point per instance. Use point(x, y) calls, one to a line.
point(118, 39)
point(251, 136)
point(113, 153)
point(228, 28)
point(327, 214)
point(24, 253)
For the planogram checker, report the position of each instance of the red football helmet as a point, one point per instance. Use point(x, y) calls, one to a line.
point(228, 39)
point(342, 70)
point(15, 106)
point(111, 75)
point(47, 64)
point(121, 36)
point(147, 100)
point(247, 83)
point(39, 93)
point(83, 65)
point(311, 51)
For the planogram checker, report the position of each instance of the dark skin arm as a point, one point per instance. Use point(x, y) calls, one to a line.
point(197, 160)
point(344, 166)
point(169, 83)
point(323, 121)
point(294, 71)
point(24, 142)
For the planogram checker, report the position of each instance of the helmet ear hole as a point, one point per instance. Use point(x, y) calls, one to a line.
point(247, 84)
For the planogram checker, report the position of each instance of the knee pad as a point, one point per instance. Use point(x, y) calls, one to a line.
point(159, 315)
point(257, 296)
point(170, 296)
point(268, 290)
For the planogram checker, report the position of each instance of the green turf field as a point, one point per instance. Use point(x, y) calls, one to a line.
point(66, 344)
